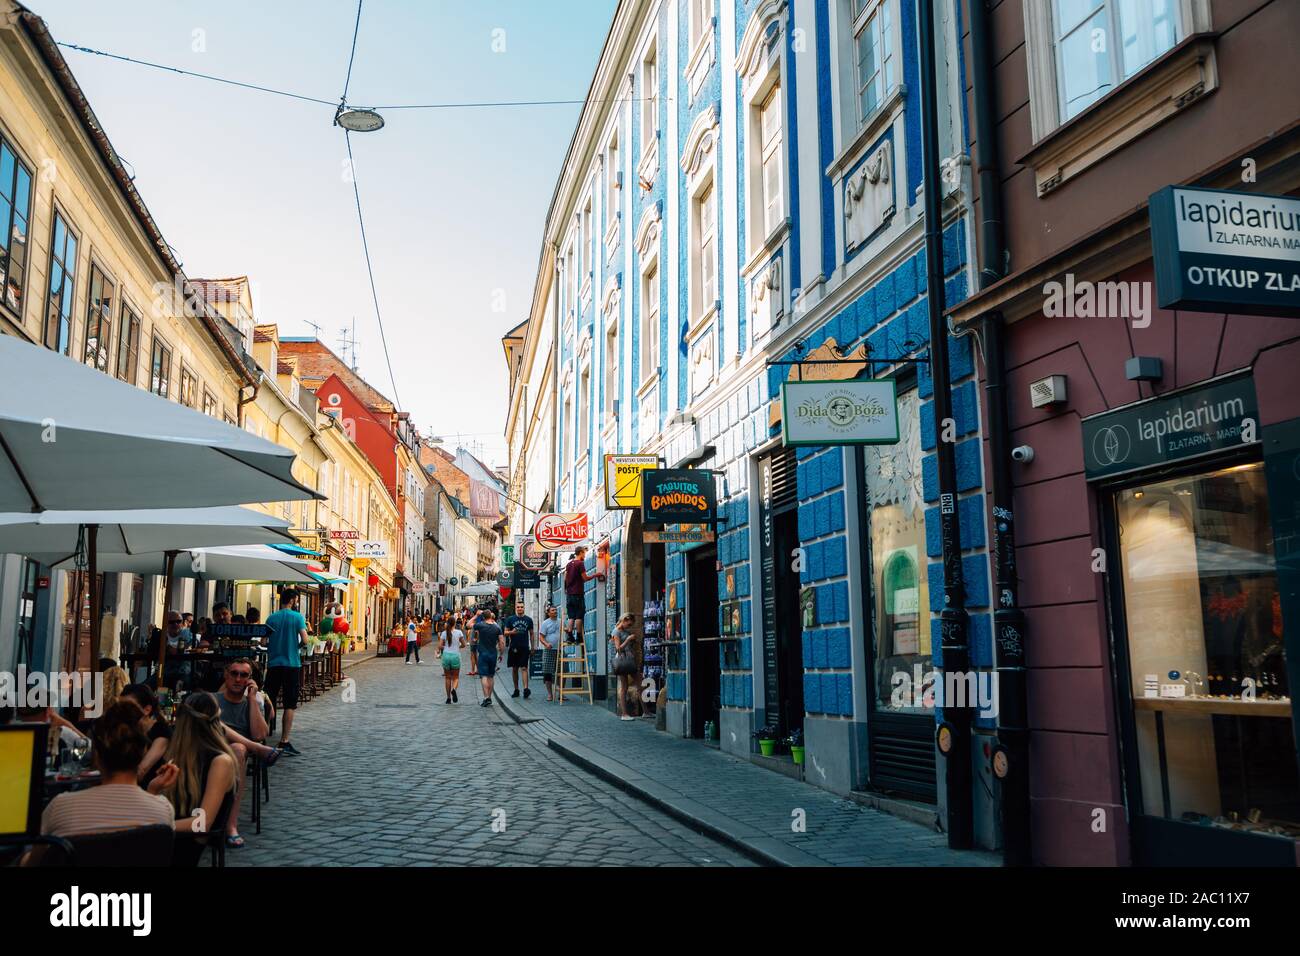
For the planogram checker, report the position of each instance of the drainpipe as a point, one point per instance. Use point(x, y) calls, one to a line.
point(552, 493)
point(954, 733)
point(239, 411)
point(1011, 755)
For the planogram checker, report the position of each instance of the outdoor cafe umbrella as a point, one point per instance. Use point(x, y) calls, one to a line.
point(67, 537)
point(257, 562)
point(72, 437)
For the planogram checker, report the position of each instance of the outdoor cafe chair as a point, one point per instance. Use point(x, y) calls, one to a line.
point(189, 847)
point(137, 846)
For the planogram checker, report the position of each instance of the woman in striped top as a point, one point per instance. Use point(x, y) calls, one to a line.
point(117, 803)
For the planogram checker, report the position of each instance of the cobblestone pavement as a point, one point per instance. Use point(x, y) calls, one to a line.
point(399, 778)
point(754, 806)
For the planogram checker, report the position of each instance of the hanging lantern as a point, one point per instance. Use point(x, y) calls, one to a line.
point(373, 580)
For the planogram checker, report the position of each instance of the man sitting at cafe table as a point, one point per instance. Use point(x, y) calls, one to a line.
point(220, 615)
point(241, 713)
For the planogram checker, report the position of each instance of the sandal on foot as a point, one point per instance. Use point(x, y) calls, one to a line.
point(235, 842)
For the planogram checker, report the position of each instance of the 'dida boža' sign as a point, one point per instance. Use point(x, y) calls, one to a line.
point(1221, 251)
point(839, 413)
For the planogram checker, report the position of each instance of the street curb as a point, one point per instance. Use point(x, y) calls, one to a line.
point(771, 852)
point(360, 660)
point(697, 816)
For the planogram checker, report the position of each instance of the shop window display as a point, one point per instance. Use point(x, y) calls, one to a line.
point(900, 596)
point(1205, 641)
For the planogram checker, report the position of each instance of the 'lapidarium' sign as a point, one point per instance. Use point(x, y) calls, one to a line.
point(1222, 251)
point(839, 413)
point(1220, 415)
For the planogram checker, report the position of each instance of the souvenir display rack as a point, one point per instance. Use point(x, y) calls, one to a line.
point(652, 655)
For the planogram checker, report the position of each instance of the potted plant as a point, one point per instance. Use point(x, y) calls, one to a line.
point(795, 742)
point(766, 737)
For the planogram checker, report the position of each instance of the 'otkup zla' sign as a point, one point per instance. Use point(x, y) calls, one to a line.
point(1222, 251)
point(839, 413)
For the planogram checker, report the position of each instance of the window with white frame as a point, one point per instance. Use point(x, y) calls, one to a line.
point(772, 201)
point(701, 19)
point(611, 369)
point(611, 181)
point(584, 254)
point(649, 99)
point(1100, 43)
point(872, 54)
point(649, 322)
point(570, 274)
point(584, 412)
point(566, 442)
point(580, 253)
point(705, 265)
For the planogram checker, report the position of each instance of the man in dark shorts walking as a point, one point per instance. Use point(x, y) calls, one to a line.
point(283, 664)
point(491, 643)
point(519, 631)
point(575, 598)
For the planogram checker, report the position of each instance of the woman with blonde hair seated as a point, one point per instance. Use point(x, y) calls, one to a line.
point(206, 770)
point(115, 681)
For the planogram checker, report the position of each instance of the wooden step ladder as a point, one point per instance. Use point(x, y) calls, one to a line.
point(580, 674)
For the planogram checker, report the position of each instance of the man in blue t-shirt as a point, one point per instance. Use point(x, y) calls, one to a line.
point(519, 634)
point(283, 665)
point(491, 642)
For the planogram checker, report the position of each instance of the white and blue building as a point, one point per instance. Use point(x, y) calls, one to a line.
point(744, 185)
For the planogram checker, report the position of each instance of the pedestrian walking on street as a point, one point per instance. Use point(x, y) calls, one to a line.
point(283, 663)
point(519, 631)
point(465, 623)
point(412, 641)
point(450, 644)
point(491, 643)
point(624, 665)
point(575, 596)
point(550, 636)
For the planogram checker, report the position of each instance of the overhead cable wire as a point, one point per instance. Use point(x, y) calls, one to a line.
point(370, 271)
point(201, 76)
point(469, 104)
point(356, 29)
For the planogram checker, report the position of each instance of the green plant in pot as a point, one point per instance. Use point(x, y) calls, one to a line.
point(795, 743)
point(766, 737)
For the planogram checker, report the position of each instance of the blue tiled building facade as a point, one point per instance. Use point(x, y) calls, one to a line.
point(745, 187)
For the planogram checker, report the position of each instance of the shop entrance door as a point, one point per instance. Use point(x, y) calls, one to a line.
point(789, 630)
point(706, 671)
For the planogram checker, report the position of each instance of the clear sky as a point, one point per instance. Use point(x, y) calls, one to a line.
point(245, 183)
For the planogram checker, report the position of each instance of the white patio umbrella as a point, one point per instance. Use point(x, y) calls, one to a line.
point(256, 562)
point(138, 531)
point(479, 589)
point(71, 436)
point(62, 538)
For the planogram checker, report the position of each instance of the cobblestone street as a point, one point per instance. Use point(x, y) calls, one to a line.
point(401, 779)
